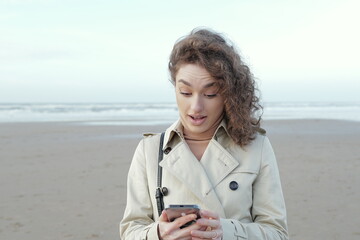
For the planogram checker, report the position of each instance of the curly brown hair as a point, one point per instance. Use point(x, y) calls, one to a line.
point(237, 85)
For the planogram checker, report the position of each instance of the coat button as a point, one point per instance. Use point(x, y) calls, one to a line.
point(233, 185)
point(167, 150)
point(164, 191)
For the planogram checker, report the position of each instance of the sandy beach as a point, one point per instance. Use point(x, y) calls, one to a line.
point(68, 180)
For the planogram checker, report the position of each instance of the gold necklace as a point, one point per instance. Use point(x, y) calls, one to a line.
point(198, 140)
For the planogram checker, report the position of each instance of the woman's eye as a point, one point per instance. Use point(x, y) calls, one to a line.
point(185, 93)
point(211, 95)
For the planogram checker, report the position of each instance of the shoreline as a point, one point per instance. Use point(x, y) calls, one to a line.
point(137, 122)
point(160, 111)
point(68, 180)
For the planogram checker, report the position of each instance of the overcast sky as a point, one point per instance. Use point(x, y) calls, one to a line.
point(117, 50)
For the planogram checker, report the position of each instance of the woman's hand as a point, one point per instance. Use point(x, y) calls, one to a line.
point(210, 226)
point(171, 230)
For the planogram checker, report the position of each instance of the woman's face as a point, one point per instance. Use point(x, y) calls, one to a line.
point(200, 105)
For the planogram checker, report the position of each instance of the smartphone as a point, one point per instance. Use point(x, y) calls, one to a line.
point(174, 211)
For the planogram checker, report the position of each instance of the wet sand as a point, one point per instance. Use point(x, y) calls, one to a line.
point(68, 180)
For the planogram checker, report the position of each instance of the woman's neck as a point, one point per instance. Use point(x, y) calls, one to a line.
point(198, 142)
point(204, 136)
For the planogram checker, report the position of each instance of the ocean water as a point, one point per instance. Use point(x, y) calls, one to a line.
point(160, 113)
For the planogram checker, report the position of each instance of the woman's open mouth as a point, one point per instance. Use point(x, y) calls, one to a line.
point(197, 120)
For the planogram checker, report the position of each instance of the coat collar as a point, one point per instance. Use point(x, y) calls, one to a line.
point(200, 177)
point(175, 133)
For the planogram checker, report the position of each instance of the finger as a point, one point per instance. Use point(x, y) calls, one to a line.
point(209, 214)
point(173, 228)
point(185, 238)
point(207, 234)
point(183, 220)
point(184, 233)
point(209, 223)
point(193, 226)
point(163, 217)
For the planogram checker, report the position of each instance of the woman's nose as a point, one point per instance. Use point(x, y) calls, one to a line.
point(197, 104)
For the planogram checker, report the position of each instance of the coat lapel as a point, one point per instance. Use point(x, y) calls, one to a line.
point(201, 177)
point(217, 162)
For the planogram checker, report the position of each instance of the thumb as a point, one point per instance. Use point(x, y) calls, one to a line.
point(163, 217)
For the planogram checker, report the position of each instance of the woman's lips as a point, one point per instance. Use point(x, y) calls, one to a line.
point(197, 120)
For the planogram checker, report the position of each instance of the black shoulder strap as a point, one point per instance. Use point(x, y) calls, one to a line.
point(159, 194)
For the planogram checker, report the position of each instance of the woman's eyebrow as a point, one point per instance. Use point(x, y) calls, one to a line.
point(210, 84)
point(189, 84)
point(184, 82)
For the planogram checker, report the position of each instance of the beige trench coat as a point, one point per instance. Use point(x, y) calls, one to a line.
point(254, 211)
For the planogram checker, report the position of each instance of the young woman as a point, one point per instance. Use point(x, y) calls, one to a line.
point(216, 154)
